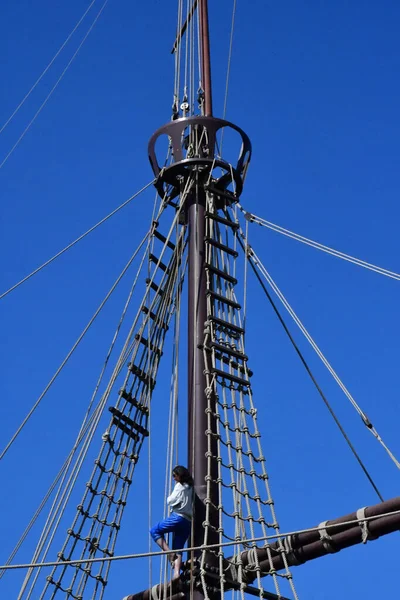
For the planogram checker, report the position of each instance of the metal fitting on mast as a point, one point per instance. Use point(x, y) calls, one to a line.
point(202, 134)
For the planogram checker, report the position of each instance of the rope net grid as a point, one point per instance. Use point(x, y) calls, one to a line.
point(98, 518)
point(245, 509)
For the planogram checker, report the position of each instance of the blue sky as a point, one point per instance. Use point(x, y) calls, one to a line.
point(315, 85)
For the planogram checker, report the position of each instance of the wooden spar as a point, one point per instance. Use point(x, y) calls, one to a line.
point(170, 591)
point(184, 27)
point(336, 535)
point(340, 533)
point(199, 445)
point(205, 57)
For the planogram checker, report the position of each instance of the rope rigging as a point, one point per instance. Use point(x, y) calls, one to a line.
point(188, 88)
point(41, 107)
point(78, 239)
point(124, 436)
point(355, 405)
point(43, 73)
point(228, 68)
point(231, 440)
point(250, 259)
point(228, 71)
point(234, 443)
point(256, 264)
point(173, 433)
point(87, 430)
point(300, 238)
point(73, 348)
point(86, 433)
point(243, 488)
point(339, 524)
point(234, 493)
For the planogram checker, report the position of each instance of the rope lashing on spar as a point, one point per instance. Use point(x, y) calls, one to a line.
point(326, 539)
point(291, 554)
point(363, 522)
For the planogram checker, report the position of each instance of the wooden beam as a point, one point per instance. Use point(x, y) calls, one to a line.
point(184, 27)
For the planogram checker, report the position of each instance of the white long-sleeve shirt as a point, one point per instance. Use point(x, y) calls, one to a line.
point(181, 500)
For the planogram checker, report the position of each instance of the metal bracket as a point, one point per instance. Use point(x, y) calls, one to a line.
point(193, 143)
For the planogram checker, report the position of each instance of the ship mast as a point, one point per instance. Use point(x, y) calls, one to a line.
point(197, 404)
point(205, 54)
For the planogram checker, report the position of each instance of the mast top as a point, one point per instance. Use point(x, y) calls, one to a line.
point(192, 57)
point(205, 54)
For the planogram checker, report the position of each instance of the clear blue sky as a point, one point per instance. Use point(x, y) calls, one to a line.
point(316, 87)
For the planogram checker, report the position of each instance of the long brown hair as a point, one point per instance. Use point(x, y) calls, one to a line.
point(183, 474)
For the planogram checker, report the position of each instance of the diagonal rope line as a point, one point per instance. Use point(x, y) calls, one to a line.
point(300, 238)
point(117, 369)
point(228, 71)
point(76, 344)
point(54, 86)
point(62, 496)
point(91, 423)
point(51, 489)
point(363, 416)
point(296, 319)
point(38, 80)
point(228, 68)
point(167, 302)
point(87, 430)
point(253, 265)
point(45, 264)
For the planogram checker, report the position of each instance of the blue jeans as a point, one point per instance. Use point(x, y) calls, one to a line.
point(175, 524)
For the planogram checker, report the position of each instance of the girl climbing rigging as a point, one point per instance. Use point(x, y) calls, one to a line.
point(179, 521)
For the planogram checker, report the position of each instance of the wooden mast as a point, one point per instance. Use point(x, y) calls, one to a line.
point(197, 311)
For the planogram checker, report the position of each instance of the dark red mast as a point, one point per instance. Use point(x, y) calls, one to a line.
point(205, 54)
point(197, 403)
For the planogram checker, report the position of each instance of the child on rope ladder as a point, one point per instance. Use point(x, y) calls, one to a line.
point(179, 521)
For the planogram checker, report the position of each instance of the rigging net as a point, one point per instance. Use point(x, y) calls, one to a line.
point(98, 519)
point(234, 498)
point(246, 507)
